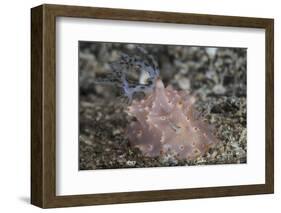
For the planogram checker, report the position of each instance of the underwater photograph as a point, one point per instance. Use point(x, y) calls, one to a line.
point(155, 105)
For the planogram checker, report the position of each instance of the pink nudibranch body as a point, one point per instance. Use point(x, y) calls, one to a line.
point(168, 124)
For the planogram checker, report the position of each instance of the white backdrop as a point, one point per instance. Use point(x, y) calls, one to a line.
point(15, 107)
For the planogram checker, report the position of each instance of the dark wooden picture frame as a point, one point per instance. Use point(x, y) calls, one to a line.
point(43, 105)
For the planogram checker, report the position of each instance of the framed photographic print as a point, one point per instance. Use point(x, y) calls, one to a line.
point(136, 106)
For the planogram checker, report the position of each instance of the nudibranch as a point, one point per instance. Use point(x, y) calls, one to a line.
point(167, 123)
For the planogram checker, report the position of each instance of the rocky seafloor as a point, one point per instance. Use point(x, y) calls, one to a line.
point(215, 76)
